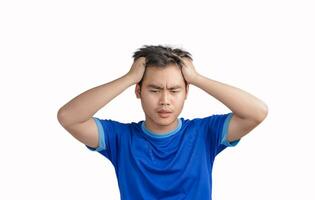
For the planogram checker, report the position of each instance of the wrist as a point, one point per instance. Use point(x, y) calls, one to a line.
point(131, 80)
point(196, 78)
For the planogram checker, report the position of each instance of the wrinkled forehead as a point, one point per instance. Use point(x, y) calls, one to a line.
point(170, 76)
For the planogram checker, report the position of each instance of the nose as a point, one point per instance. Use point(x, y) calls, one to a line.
point(164, 100)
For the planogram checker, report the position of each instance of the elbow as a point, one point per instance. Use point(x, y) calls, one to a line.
point(61, 116)
point(262, 113)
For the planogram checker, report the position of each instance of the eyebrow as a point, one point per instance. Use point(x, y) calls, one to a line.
point(158, 87)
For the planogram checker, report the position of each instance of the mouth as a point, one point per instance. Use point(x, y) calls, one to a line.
point(164, 114)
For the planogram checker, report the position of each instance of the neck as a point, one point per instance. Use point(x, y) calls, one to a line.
point(161, 129)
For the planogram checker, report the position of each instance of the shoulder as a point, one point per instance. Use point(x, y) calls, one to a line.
point(114, 125)
point(116, 122)
point(206, 120)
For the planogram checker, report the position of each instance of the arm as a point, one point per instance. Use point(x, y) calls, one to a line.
point(248, 111)
point(76, 115)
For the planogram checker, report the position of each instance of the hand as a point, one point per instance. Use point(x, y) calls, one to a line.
point(188, 70)
point(137, 69)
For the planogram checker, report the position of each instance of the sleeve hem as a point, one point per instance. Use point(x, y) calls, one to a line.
point(225, 129)
point(101, 137)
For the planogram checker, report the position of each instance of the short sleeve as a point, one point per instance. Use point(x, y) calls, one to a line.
point(101, 141)
point(218, 130)
point(109, 138)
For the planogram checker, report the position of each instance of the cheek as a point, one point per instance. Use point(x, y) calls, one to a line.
point(149, 98)
point(179, 100)
point(149, 101)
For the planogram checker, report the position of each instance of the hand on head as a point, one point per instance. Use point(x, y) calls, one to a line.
point(188, 70)
point(137, 69)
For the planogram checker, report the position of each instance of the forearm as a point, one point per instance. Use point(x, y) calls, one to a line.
point(85, 105)
point(241, 103)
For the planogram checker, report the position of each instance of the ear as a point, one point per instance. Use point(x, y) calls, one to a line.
point(138, 91)
point(187, 89)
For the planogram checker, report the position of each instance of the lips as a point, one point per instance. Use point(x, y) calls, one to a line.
point(164, 111)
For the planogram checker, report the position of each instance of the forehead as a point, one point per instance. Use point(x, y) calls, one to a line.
point(169, 76)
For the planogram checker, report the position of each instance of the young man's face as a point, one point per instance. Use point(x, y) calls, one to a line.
point(163, 90)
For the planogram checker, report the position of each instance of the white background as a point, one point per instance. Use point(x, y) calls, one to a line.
point(51, 51)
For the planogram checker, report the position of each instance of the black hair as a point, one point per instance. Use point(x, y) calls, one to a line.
point(161, 56)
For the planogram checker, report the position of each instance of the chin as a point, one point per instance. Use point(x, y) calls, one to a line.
point(164, 121)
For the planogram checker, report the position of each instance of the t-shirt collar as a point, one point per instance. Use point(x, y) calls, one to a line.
point(162, 135)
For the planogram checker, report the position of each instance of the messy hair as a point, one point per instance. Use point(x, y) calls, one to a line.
point(161, 56)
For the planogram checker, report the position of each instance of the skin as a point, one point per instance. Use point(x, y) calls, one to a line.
point(158, 92)
point(76, 115)
point(248, 111)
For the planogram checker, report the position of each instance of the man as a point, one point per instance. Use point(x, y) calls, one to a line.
point(163, 157)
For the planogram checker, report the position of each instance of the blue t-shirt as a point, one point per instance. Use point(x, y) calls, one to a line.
point(173, 166)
